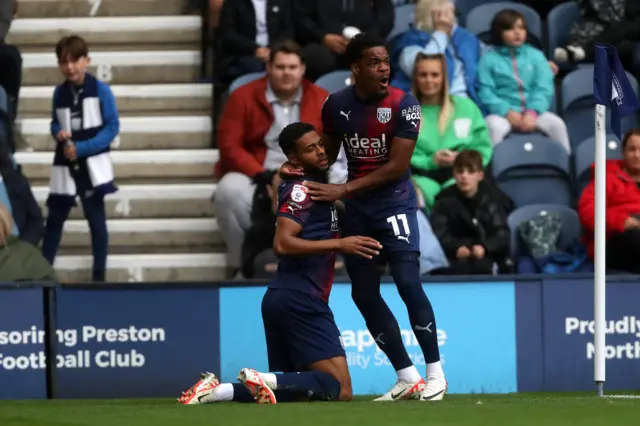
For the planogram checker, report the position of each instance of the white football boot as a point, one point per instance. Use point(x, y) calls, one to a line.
point(257, 386)
point(403, 391)
point(201, 390)
point(435, 389)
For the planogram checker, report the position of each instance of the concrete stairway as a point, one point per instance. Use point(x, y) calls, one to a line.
point(161, 223)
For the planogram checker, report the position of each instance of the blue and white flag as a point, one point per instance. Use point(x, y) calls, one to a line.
point(611, 87)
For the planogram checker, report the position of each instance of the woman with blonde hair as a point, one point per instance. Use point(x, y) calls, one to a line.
point(435, 31)
point(20, 260)
point(449, 124)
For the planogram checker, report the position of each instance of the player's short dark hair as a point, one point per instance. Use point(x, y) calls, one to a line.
point(504, 21)
point(290, 135)
point(468, 159)
point(72, 47)
point(361, 42)
point(288, 47)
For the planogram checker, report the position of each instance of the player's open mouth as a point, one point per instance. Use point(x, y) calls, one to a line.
point(384, 82)
point(323, 163)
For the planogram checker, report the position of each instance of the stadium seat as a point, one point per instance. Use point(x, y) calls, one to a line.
point(571, 228)
point(532, 169)
point(463, 7)
point(335, 81)
point(244, 79)
point(404, 18)
point(578, 105)
point(479, 19)
point(584, 156)
point(559, 22)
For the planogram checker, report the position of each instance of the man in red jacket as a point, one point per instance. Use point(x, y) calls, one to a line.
point(253, 117)
point(623, 208)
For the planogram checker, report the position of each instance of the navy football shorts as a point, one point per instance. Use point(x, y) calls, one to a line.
point(393, 223)
point(299, 329)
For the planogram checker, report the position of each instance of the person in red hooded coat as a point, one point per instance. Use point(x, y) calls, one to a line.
point(623, 208)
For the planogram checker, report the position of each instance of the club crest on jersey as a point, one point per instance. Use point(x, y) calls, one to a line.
point(384, 115)
point(299, 193)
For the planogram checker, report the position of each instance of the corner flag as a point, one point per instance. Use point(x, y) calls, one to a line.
point(611, 87)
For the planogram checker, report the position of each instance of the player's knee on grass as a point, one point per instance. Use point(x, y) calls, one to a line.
point(338, 370)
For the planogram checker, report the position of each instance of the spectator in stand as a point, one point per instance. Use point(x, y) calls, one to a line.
point(11, 71)
point(194, 7)
point(321, 26)
point(253, 117)
point(436, 32)
point(84, 123)
point(450, 124)
point(20, 260)
point(612, 22)
point(516, 84)
point(623, 208)
point(16, 195)
point(247, 30)
point(470, 222)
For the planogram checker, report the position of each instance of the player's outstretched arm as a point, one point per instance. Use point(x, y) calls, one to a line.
point(287, 242)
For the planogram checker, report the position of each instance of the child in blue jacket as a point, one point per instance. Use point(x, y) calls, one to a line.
point(84, 123)
point(515, 84)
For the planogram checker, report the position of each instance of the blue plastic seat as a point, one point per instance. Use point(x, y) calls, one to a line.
point(559, 22)
point(335, 81)
point(479, 19)
point(463, 7)
point(533, 169)
point(578, 105)
point(244, 79)
point(584, 156)
point(404, 18)
point(571, 228)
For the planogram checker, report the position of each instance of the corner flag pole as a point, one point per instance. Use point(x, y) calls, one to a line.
point(599, 294)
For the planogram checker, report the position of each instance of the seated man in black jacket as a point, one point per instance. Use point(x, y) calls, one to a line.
point(321, 25)
point(246, 31)
point(470, 222)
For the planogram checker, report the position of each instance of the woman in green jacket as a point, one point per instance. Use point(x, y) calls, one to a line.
point(449, 125)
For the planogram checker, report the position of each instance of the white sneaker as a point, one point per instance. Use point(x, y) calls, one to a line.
point(435, 389)
point(257, 386)
point(202, 389)
point(403, 390)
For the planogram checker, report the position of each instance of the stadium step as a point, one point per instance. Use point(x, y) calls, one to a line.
point(143, 99)
point(132, 31)
point(136, 67)
point(136, 133)
point(149, 201)
point(133, 233)
point(84, 8)
point(145, 267)
point(157, 164)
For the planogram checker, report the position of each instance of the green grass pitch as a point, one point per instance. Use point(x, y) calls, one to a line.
point(481, 410)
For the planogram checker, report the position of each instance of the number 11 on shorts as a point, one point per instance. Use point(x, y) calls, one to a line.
point(402, 218)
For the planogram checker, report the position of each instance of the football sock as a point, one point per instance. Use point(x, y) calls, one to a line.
point(409, 374)
point(434, 369)
point(240, 393)
point(365, 291)
point(405, 269)
point(309, 385)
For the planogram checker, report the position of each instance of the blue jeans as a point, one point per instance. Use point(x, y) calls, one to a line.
point(95, 214)
point(431, 253)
